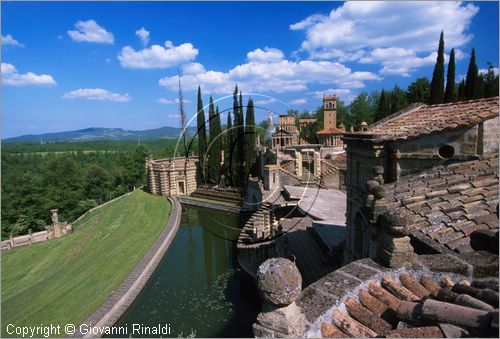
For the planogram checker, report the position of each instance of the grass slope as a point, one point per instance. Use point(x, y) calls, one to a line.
point(64, 280)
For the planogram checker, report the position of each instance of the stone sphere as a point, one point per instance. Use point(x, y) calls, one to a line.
point(379, 192)
point(279, 281)
point(371, 184)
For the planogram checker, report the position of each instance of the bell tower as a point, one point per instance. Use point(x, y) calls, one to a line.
point(330, 111)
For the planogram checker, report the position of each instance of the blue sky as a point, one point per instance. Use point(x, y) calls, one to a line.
point(75, 65)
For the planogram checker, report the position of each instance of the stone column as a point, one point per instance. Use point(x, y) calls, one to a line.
point(317, 164)
point(298, 164)
point(55, 218)
point(279, 283)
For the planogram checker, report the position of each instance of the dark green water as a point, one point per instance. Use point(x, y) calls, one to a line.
point(196, 288)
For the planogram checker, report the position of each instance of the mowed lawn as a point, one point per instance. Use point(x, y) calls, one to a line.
point(64, 280)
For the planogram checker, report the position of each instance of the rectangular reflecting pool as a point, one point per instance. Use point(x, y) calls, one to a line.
point(196, 289)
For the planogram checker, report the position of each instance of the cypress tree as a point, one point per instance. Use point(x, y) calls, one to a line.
point(491, 83)
point(217, 145)
point(250, 138)
point(471, 81)
point(214, 156)
point(236, 155)
point(399, 99)
point(241, 142)
point(202, 134)
point(461, 90)
point(383, 108)
point(437, 83)
point(227, 151)
point(449, 93)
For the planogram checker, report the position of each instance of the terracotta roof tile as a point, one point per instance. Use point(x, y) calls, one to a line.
point(406, 307)
point(420, 120)
point(447, 213)
point(331, 130)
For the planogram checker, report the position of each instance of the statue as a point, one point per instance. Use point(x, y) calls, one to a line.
point(222, 182)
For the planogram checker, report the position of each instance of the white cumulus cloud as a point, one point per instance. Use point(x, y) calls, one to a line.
point(96, 94)
point(164, 101)
point(9, 40)
point(264, 102)
point(374, 30)
point(343, 94)
point(193, 68)
point(143, 35)
point(277, 76)
point(299, 102)
point(11, 77)
point(90, 31)
point(485, 71)
point(266, 55)
point(157, 56)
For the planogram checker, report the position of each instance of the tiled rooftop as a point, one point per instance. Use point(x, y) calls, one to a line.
point(331, 130)
point(448, 203)
point(422, 119)
point(404, 306)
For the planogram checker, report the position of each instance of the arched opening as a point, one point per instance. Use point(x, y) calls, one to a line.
point(446, 151)
point(359, 238)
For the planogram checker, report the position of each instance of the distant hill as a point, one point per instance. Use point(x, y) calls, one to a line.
point(99, 133)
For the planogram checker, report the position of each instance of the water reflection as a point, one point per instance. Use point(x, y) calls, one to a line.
point(196, 288)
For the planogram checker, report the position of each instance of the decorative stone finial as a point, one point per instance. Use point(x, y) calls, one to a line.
point(279, 281)
point(396, 223)
point(378, 170)
point(374, 187)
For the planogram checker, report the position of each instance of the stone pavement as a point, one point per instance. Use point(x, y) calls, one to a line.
point(300, 242)
point(319, 203)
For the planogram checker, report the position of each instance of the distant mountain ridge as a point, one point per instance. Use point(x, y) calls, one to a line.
point(101, 133)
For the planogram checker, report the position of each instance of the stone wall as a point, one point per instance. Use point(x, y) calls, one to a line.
point(488, 132)
point(425, 152)
point(365, 161)
point(33, 238)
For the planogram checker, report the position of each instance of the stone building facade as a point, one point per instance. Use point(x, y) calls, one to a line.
point(172, 176)
point(394, 159)
point(286, 134)
point(330, 135)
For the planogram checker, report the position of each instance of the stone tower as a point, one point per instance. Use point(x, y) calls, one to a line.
point(330, 111)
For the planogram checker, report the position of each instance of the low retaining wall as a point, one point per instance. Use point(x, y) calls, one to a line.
point(109, 313)
point(206, 204)
point(41, 236)
point(32, 238)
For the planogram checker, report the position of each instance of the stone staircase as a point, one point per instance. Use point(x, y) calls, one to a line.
point(228, 195)
point(295, 180)
point(259, 225)
point(308, 179)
